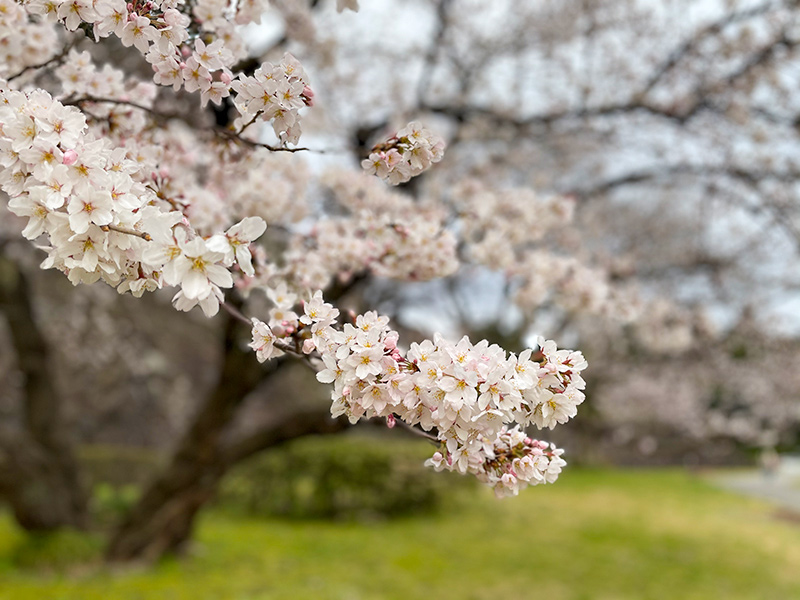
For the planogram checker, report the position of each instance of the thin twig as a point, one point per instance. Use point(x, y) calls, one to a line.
point(145, 236)
point(236, 137)
point(234, 312)
point(419, 432)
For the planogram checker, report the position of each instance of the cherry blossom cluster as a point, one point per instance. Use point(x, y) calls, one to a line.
point(467, 392)
point(382, 231)
point(408, 153)
point(261, 183)
point(275, 93)
point(189, 46)
point(504, 230)
point(502, 224)
point(513, 463)
point(100, 219)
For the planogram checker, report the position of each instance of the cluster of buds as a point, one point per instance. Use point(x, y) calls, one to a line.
point(408, 153)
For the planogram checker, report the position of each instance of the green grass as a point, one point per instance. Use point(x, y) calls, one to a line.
point(598, 535)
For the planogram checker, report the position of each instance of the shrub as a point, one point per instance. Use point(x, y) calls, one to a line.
point(342, 477)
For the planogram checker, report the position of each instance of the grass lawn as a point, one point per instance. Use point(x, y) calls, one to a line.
point(596, 535)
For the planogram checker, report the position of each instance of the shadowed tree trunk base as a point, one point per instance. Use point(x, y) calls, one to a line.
point(43, 489)
point(39, 474)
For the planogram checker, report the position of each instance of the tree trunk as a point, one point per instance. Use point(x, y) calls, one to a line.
point(162, 520)
point(40, 476)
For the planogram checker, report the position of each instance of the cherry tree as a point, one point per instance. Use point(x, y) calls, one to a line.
point(118, 185)
point(116, 177)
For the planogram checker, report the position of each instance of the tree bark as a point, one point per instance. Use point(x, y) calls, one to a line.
point(40, 476)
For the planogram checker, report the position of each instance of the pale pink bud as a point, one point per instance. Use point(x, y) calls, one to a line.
point(390, 421)
point(308, 96)
point(225, 78)
point(185, 52)
point(70, 157)
point(308, 348)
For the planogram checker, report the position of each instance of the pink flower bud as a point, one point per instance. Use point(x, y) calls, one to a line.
point(308, 96)
point(185, 52)
point(225, 78)
point(70, 157)
point(308, 348)
point(390, 421)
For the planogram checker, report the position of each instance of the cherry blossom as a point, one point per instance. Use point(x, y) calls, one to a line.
point(468, 393)
point(408, 153)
